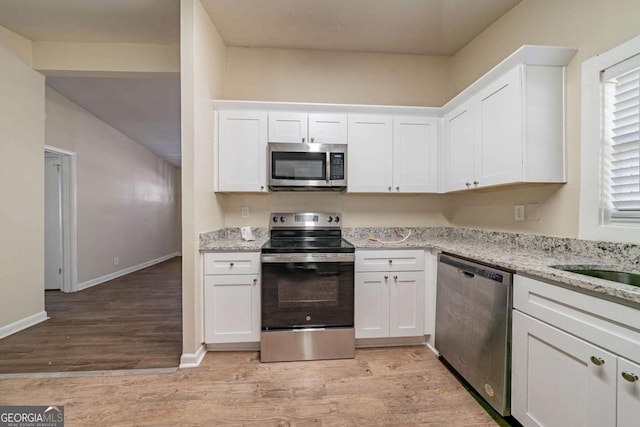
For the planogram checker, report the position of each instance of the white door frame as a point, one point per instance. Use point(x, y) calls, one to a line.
point(69, 224)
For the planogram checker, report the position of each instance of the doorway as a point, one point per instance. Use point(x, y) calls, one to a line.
point(60, 271)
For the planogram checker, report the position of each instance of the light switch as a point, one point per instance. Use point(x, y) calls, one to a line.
point(245, 212)
point(518, 212)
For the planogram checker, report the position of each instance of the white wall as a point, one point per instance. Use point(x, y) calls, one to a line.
point(126, 195)
point(21, 186)
point(592, 26)
point(203, 59)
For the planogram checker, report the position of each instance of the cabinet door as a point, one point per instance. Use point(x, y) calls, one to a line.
point(369, 154)
point(628, 393)
point(555, 381)
point(415, 154)
point(406, 304)
point(498, 155)
point(232, 308)
point(288, 127)
point(242, 151)
point(459, 148)
point(328, 128)
point(371, 305)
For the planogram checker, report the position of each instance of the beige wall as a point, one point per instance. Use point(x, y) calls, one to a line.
point(359, 210)
point(105, 58)
point(338, 77)
point(592, 26)
point(202, 71)
point(21, 185)
point(126, 195)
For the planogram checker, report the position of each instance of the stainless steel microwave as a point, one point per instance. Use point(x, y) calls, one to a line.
point(309, 166)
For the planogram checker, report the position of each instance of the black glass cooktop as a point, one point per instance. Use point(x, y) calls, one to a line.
point(307, 245)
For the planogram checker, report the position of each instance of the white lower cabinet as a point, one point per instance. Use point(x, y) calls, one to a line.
point(389, 302)
point(628, 410)
point(554, 381)
point(232, 300)
point(569, 358)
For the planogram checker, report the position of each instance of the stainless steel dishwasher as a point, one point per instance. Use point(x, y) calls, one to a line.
point(473, 326)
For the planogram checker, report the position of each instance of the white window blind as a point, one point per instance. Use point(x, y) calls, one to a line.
point(621, 126)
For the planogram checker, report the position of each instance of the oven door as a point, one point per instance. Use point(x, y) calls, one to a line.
point(307, 294)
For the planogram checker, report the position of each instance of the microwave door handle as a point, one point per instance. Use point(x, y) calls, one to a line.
point(328, 167)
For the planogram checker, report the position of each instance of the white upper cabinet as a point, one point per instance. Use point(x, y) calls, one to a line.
point(510, 131)
point(498, 157)
point(241, 154)
point(291, 127)
point(415, 154)
point(369, 156)
point(288, 127)
point(396, 154)
point(459, 147)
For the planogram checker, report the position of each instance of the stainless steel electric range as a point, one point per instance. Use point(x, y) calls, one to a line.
point(307, 289)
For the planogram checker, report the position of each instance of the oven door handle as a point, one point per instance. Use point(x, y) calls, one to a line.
point(286, 259)
point(314, 268)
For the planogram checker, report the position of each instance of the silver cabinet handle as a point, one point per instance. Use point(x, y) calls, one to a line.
point(262, 187)
point(313, 139)
point(389, 188)
point(468, 184)
point(303, 138)
point(386, 277)
point(630, 376)
point(255, 281)
point(598, 361)
point(397, 188)
point(475, 183)
point(230, 264)
point(395, 278)
point(390, 261)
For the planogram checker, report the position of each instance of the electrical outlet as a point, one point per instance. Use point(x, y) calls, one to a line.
point(245, 211)
point(116, 261)
point(518, 212)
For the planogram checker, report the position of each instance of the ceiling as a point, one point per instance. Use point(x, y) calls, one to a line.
point(148, 110)
point(424, 27)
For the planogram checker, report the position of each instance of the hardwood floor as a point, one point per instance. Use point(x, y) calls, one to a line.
point(399, 386)
point(134, 321)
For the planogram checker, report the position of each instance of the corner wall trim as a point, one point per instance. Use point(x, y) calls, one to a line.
point(21, 324)
point(192, 360)
point(120, 273)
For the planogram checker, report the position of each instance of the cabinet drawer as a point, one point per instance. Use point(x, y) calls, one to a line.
point(607, 324)
point(390, 260)
point(232, 263)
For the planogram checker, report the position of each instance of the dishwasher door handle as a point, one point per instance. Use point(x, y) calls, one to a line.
point(467, 274)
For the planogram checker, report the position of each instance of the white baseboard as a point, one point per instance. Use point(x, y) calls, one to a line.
point(21, 324)
point(120, 273)
point(192, 360)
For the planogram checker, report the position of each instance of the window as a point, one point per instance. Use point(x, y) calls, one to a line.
point(621, 142)
point(610, 160)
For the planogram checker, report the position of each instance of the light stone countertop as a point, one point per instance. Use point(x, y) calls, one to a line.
point(526, 254)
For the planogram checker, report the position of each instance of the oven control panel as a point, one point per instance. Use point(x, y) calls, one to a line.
point(306, 220)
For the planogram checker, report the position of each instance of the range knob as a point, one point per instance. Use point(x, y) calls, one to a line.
point(275, 219)
point(337, 219)
point(282, 219)
point(330, 219)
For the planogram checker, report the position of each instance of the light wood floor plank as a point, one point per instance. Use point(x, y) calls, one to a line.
point(381, 387)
